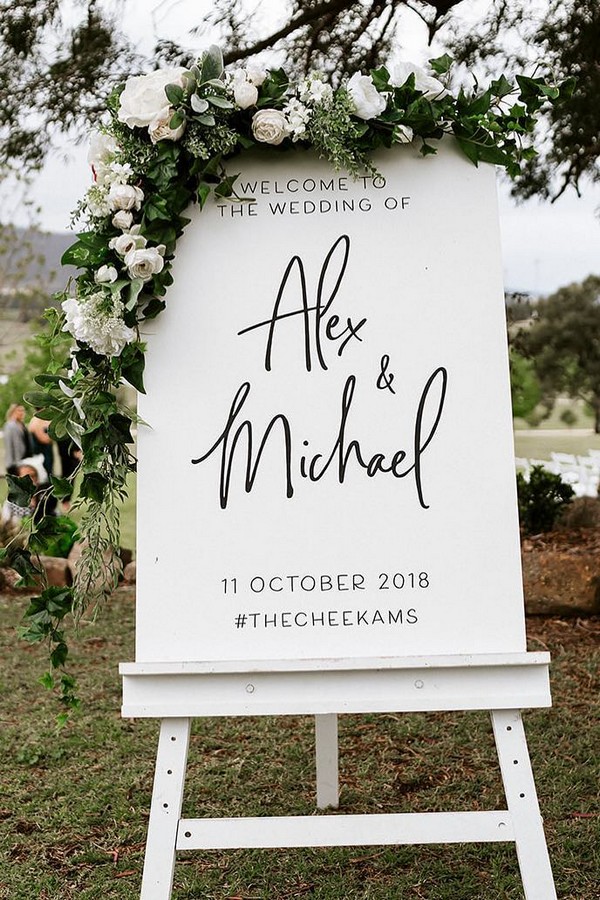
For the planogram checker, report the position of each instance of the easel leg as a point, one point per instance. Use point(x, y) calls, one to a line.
point(522, 801)
point(165, 811)
point(326, 747)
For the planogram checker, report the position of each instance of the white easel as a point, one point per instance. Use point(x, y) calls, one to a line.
point(501, 683)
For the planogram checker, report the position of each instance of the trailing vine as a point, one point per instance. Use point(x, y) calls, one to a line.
point(170, 139)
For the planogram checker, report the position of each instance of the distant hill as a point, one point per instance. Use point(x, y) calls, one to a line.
point(46, 250)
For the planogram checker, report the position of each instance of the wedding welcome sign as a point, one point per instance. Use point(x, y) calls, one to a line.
point(327, 467)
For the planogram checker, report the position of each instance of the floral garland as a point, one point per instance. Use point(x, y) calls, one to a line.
point(164, 146)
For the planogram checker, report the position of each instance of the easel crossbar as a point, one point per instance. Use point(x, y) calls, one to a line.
point(345, 830)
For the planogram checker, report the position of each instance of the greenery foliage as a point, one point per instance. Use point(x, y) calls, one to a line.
point(542, 497)
point(562, 343)
point(525, 387)
point(148, 172)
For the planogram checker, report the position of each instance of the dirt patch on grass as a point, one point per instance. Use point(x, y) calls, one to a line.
point(561, 573)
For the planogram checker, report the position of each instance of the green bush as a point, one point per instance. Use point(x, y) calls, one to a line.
point(541, 499)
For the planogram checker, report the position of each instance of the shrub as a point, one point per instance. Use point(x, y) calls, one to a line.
point(541, 499)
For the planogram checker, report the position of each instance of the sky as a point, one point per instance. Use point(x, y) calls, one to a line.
point(545, 246)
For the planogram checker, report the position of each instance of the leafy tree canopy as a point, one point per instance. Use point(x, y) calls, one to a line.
point(563, 343)
point(60, 61)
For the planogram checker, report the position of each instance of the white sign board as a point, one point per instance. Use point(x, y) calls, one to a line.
point(328, 465)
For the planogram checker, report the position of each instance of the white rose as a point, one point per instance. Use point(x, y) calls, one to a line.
point(400, 72)
point(105, 275)
point(160, 130)
point(269, 126)
point(124, 196)
point(245, 94)
point(403, 134)
point(255, 74)
point(125, 243)
point(146, 262)
point(144, 96)
point(368, 102)
point(122, 219)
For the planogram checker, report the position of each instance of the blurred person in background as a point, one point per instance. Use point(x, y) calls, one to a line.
point(17, 442)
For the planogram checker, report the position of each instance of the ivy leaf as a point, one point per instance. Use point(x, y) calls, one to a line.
point(20, 489)
point(441, 64)
point(59, 655)
point(470, 149)
point(61, 487)
point(93, 486)
point(133, 362)
point(204, 190)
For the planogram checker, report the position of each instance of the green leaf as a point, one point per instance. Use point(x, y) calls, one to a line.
point(82, 256)
point(93, 486)
point(206, 119)
point(441, 64)
point(212, 64)
point(61, 487)
point(174, 94)
point(221, 102)
point(198, 104)
point(39, 399)
point(470, 149)
point(501, 87)
point(133, 367)
point(20, 489)
point(177, 119)
point(59, 655)
point(135, 287)
point(47, 681)
point(204, 190)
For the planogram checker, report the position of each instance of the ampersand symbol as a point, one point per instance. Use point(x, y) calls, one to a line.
point(385, 378)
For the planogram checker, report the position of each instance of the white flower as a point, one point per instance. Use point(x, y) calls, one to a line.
point(122, 219)
point(102, 148)
point(160, 129)
point(125, 243)
point(429, 86)
point(245, 93)
point(314, 90)
point(146, 262)
point(105, 275)
point(297, 115)
point(124, 196)
point(97, 320)
point(96, 201)
point(269, 126)
point(403, 134)
point(117, 173)
point(144, 98)
point(368, 102)
point(255, 74)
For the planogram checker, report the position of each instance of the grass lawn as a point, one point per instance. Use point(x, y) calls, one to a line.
point(75, 803)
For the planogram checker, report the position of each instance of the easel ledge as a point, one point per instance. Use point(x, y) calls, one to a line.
point(314, 687)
